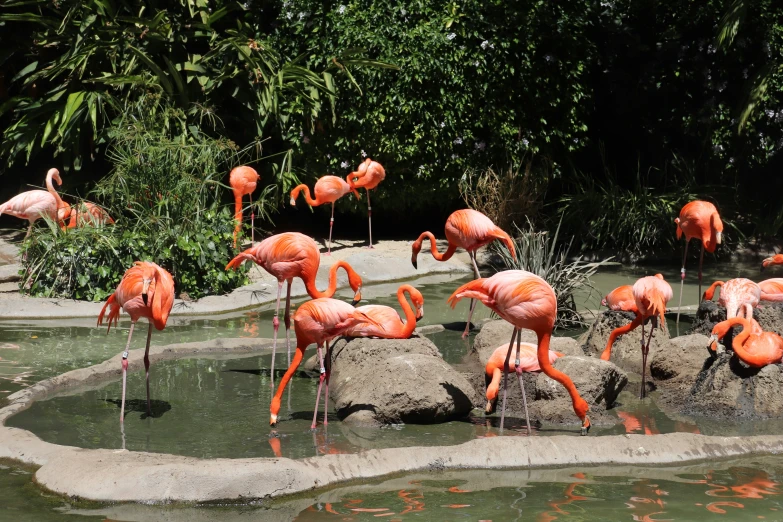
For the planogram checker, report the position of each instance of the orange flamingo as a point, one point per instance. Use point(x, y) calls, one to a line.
point(392, 326)
point(621, 299)
point(243, 181)
point(734, 293)
point(146, 290)
point(87, 214)
point(777, 259)
point(720, 330)
point(328, 189)
point(468, 229)
point(34, 204)
point(771, 290)
point(286, 256)
point(651, 294)
point(700, 220)
point(317, 321)
point(526, 301)
point(368, 175)
point(754, 349)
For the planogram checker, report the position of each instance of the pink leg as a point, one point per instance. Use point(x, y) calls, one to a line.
point(472, 301)
point(275, 325)
point(331, 225)
point(505, 379)
point(369, 216)
point(287, 319)
point(320, 386)
point(125, 371)
point(328, 373)
point(518, 368)
point(147, 368)
point(252, 223)
point(682, 282)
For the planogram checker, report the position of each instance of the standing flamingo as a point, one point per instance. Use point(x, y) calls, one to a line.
point(386, 316)
point(328, 189)
point(771, 289)
point(369, 175)
point(289, 255)
point(651, 294)
point(87, 213)
point(243, 181)
point(317, 321)
point(468, 229)
point(621, 299)
point(146, 290)
point(33, 204)
point(754, 349)
point(700, 220)
point(526, 301)
point(734, 293)
point(777, 259)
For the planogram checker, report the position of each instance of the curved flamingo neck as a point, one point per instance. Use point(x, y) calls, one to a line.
point(52, 191)
point(740, 338)
point(607, 353)
point(708, 293)
point(410, 315)
point(494, 385)
point(308, 198)
point(445, 256)
point(544, 339)
point(313, 291)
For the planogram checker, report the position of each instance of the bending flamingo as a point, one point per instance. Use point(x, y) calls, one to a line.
point(392, 327)
point(699, 220)
point(777, 259)
point(771, 289)
point(243, 181)
point(468, 229)
point(33, 204)
point(621, 299)
point(734, 293)
point(289, 255)
point(328, 189)
point(317, 321)
point(87, 214)
point(754, 349)
point(720, 330)
point(651, 294)
point(146, 290)
point(526, 301)
point(369, 175)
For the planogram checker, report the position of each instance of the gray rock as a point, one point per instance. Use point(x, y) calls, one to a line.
point(10, 273)
point(497, 333)
point(708, 315)
point(390, 381)
point(682, 358)
point(626, 351)
point(770, 317)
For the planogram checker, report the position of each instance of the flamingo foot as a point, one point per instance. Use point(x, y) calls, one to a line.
point(369, 247)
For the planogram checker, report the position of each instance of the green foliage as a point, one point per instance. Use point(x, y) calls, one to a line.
point(541, 254)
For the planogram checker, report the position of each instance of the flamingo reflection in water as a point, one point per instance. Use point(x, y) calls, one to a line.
point(549, 516)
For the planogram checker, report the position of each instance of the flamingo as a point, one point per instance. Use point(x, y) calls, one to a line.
point(734, 293)
point(700, 220)
point(392, 325)
point(317, 321)
point(651, 294)
point(328, 189)
point(33, 204)
point(468, 229)
point(368, 175)
point(771, 289)
point(146, 290)
point(526, 301)
point(720, 330)
point(88, 213)
point(777, 259)
point(289, 255)
point(754, 349)
point(243, 181)
point(621, 299)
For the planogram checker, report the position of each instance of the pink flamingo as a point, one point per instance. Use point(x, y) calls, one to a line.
point(771, 290)
point(651, 294)
point(328, 189)
point(289, 255)
point(87, 213)
point(754, 349)
point(368, 175)
point(317, 321)
point(526, 301)
point(243, 181)
point(777, 259)
point(468, 229)
point(34, 204)
point(621, 299)
point(392, 326)
point(734, 293)
point(146, 290)
point(720, 330)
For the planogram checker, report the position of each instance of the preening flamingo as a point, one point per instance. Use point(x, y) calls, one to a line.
point(771, 289)
point(734, 293)
point(368, 175)
point(700, 220)
point(621, 299)
point(289, 255)
point(243, 181)
point(146, 290)
point(754, 349)
point(392, 326)
point(85, 213)
point(33, 204)
point(720, 330)
point(526, 301)
point(651, 294)
point(777, 259)
point(328, 189)
point(317, 321)
point(468, 229)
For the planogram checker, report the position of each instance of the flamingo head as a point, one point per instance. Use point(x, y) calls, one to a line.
point(418, 303)
point(718, 332)
point(148, 275)
point(355, 280)
point(774, 260)
point(55, 175)
point(603, 302)
point(415, 249)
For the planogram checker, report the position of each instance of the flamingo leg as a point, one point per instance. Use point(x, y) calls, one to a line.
point(369, 216)
point(125, 371)
point(320, 386)
point(275, 325)
point(328, 365)
point(29, 231)
point(287, 319)
point(147, 369)
point(472, 301)
point(682, 282)
point(331, 225)
point(701, 262)
point(518, 368)
point(645, 351)
point(505, 379)
point(252, 222)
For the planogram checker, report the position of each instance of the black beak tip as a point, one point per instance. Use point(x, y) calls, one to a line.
point(355, 302)
point(415, 265)
point(144, 298)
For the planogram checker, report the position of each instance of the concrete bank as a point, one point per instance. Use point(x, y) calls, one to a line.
point(119, 475)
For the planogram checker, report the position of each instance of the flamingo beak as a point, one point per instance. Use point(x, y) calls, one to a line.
point(719, 237)
point(420, 312)
point(767, 261)
point(414, 263)
point(603, 302)
point(273, 420)
point(712, 342)
point(144, 291)
point(293, 202)
point(490, 407)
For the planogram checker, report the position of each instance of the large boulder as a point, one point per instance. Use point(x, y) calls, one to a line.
point(682, 358)
point(626, 351)
point(391, 381)
point(710, 313)
point(770, 317)
point(498, 332)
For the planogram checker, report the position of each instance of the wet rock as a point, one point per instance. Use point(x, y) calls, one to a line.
point(626, 351)
point(682, 358)
point(708, 315)
point(498, 332)
point(391, 381)
point(770, 317)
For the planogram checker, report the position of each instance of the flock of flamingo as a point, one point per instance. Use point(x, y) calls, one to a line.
point(522, 298)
